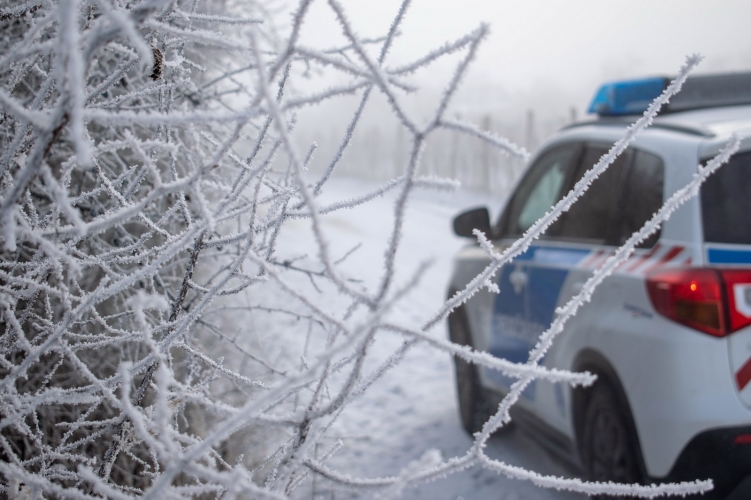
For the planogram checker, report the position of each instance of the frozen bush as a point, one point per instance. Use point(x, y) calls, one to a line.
point(147, 166)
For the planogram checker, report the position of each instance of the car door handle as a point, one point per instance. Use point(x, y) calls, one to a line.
point(518, 279)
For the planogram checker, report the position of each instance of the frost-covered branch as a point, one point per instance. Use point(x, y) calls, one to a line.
point(160, 337)
point(541, 225)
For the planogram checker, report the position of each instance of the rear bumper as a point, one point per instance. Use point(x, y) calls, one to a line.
point(716, 455)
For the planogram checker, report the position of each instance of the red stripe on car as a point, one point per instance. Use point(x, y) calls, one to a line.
point(667, 257)
point(640, 260)
point(743, 376)
point(591, 259)
point(601, 259)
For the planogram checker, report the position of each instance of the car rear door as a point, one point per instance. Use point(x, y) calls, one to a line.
point(616, 205)
point(577, 244)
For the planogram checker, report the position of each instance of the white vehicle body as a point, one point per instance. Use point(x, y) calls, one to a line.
point(675, 381)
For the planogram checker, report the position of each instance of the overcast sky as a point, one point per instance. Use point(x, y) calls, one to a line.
point(564, 47)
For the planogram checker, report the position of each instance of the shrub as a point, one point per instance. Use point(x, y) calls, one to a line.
point(133, 227)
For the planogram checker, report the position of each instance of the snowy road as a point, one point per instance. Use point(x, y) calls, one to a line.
point(413, 408)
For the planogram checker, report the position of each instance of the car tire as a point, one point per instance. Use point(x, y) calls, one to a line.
point(609, 452)
point(474, 405)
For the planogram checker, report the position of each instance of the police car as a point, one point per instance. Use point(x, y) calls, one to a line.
point(668, 334)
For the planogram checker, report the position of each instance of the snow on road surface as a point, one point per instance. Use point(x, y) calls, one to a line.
point(414, 407)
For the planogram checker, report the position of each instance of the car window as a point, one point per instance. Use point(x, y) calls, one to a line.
point(540, 189)
point(726, 202)
point(595, 216)
point(642, 196)
point(543, 195)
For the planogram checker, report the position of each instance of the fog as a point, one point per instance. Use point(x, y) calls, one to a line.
point(535, 72)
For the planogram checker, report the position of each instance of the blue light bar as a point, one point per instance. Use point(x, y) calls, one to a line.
point(627, 98)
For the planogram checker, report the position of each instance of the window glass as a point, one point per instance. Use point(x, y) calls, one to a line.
point(726, 202)
point(642, 196)
point(595, 217)
point(543, 195)
point(540, 189)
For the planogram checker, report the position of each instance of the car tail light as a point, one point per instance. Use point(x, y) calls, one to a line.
point(713, 301)
point(692, 297)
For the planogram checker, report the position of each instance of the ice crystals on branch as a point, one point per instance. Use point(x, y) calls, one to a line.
point(149, 166)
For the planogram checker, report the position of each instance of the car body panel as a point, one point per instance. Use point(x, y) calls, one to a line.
point(678, 382)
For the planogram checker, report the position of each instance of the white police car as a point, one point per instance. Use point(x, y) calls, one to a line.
point(668, 334)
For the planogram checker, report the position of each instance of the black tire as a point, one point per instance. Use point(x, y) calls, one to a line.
point(474, 404)
point(609, 451)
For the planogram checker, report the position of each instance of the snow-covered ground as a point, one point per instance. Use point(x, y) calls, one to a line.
point(413, 408)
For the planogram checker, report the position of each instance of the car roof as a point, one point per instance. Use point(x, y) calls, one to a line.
point(715, 122)
point(709, 128)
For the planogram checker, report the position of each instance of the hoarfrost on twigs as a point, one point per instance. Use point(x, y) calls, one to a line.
point(148, 165)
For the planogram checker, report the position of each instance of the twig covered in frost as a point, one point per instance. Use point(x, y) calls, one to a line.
point(153, 317)
point(564, 313)
point(476, 453)
point(541, 225)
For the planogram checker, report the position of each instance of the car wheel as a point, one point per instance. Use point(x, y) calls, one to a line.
point(609, 452)
point(474, 407)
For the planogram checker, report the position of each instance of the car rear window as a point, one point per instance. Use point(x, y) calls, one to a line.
point(642, 196)
point(726, 202)
point(619, 202)
point(593, 218)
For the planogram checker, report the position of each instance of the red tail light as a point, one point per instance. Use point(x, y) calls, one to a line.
point(717, 302)
point(692, 297)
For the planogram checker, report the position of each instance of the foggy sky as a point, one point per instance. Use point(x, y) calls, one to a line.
point(564, 48)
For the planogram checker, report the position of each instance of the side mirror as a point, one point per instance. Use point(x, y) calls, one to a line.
point(473, 219)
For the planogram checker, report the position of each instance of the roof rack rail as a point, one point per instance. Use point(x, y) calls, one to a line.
point(709, 91)
point(632, 97)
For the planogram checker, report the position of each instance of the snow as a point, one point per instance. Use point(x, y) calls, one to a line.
point(413, 408)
